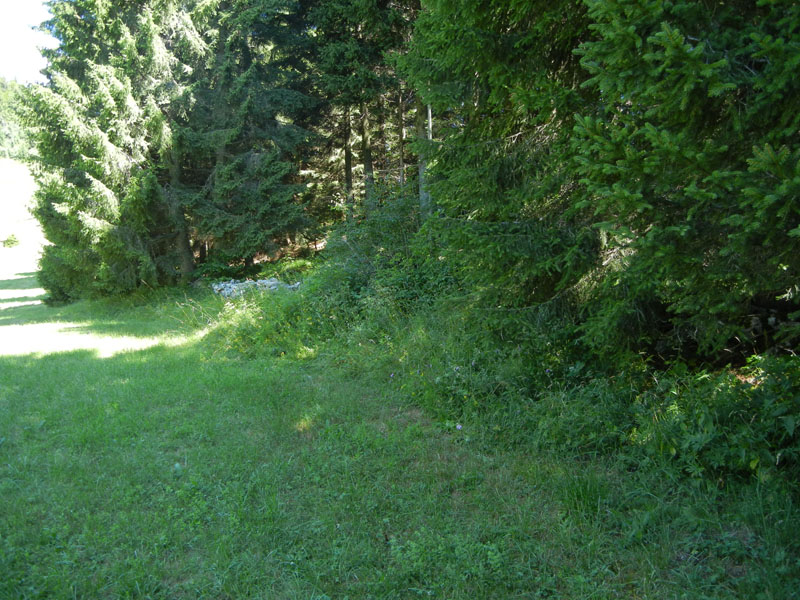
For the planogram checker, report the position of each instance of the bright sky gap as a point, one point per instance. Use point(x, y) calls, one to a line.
point(20, 58)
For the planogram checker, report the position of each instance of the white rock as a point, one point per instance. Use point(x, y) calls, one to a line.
point(235, 289)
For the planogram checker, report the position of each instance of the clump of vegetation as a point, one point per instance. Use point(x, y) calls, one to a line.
point(10, 241)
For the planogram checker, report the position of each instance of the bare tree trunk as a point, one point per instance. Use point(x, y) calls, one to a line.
point(366, 155)
point(384, 161)
point(348, 166)
point(424, 131)
point(201, 248)
point(401, 125)
point(183, 244)
point(430, 123)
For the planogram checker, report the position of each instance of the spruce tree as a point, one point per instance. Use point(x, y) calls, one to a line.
point(101, 135)
point(351, 40)
point(244, 132)
point(14, 140)
point(692, 168)
point(503, 83)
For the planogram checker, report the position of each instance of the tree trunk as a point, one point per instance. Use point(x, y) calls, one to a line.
point(201, 248)
point(424, 131)
point(348, 166)
point(366, 155)
point(183, 244)
point(401, 117)
point(385, 161)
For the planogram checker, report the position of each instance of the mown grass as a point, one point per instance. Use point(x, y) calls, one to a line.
point(181, 470)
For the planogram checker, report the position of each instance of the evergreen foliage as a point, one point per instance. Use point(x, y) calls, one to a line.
point(245, 128)
point(691, 169)
point(100, 133)
point(631, 169)
point(167, 135)
point(350, 42)
point(14, 141)
point(504, 83)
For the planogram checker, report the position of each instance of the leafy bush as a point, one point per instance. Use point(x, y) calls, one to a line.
point(291, 323)
point(262, 324)
point(726, 423)
point(10, 241)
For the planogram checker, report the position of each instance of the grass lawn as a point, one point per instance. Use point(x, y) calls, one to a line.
point(143, 466)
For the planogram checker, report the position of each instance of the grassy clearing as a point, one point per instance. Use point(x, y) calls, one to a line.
point(175, 470)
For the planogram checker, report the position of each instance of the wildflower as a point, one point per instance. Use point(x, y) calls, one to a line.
point(458, 426)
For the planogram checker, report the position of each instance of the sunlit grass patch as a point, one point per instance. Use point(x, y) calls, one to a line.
point(20, 290)
point(50, 338)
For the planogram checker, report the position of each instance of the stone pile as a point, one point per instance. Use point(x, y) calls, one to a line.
point(234, 289)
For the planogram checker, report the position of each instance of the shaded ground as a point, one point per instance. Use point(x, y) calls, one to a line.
point(167, 472)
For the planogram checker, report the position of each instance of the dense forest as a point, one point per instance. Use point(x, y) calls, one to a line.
point(599, 198)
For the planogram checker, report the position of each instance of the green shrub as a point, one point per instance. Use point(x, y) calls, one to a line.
point(455, 365)
point(690, 165)
point(262, 324)
point(595, 417)
point(723, 424)
point(287, 323)
point(288, 269)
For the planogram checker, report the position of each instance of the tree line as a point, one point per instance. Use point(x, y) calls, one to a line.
point(629, 168)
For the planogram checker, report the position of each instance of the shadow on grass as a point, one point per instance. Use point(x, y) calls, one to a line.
point(146, 314)
point(76, 421)
point(199, 465)
point(21, 281)
point(21, 299)
point(164, 469)
point(205, 458)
